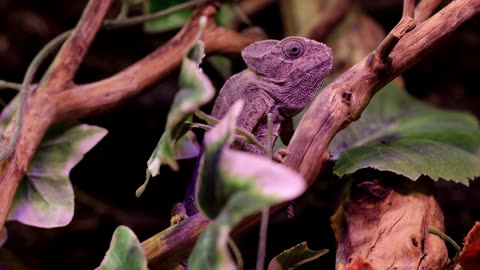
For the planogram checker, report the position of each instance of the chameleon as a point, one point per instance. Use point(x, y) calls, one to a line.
point(281, 78)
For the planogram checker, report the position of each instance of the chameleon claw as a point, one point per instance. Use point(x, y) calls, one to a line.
point(280, 155)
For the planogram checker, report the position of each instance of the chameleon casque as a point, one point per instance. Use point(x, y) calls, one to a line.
point(282, 78)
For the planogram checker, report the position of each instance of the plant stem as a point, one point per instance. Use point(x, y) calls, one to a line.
point(117, 23)
point(25, 89)
point(10, 85)
point(447, 239)
point(250, 138)
point(262, 242)
point(236, 253)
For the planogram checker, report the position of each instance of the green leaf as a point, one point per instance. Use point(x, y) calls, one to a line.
point(165, 153)
point(195, 91)
point(44, 198)
point(251, 183)
point(211, 249)
point(233, 185)
point(294, 257)
point(400, 134)
point(165, 23)
point(125, 252)
point(224, 17)
point(238, 184)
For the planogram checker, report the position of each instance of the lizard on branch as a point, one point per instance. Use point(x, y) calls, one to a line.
point(281, 79)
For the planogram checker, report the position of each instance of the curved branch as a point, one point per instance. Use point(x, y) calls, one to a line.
point(40, 108)
point(58, 98)
point(82, 100)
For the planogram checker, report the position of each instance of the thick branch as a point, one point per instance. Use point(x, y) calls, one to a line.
point(40, 110)
point(63, 69)
point(340, 103)
point(344, 99)
point(425, 8)
point(57, 98)
point(83, 100)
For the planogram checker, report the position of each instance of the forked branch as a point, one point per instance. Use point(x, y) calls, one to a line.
point(59, 98)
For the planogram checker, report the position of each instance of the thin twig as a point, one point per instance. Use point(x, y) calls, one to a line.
point(123, 22)
point(425, 8)
point(25, 90)
point(250, 138)
point(381, 60)
point(262, 239)
point(10, 85)
point(448, 239)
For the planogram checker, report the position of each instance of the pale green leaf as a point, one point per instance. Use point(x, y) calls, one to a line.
point(250, 183)
point(211, 249)
point(400, 134)
point(165, 23)
point(294, 257)
point(195, 91)
point(125, 252)
point(239, 184)
point(224, 17)
point(44, 198)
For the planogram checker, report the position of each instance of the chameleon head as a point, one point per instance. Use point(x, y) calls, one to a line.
point(297, 64)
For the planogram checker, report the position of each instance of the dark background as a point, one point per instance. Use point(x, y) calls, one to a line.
point(105, 181)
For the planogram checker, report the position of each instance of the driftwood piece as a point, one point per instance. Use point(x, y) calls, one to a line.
point(385, 221)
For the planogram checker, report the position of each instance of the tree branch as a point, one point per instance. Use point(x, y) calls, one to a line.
point(70, 56)
point(425, 8)
point(340, 103)
point(40, 109)
point(58, 98)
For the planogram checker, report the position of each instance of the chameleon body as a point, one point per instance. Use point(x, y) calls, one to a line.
point(282, 78)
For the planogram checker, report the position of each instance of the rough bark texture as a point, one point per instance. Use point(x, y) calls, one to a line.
point(386, 223)
point(58, 98)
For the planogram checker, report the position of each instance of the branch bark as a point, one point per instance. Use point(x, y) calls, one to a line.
point(41, 107)
point(340, 103)
point(58, 98)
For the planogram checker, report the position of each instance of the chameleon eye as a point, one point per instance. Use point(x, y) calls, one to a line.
point(293, 49)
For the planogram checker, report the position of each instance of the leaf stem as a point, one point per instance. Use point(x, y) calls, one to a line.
point(236, 253)
point(123, 22)
point(250, 138)
point(447, 238)
point(262, 242)
point(10, 85)
point(25, 89)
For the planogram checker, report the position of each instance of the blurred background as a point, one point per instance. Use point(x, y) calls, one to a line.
point(106, 180)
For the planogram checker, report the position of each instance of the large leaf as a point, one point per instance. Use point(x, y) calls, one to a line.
point(195, 91)
point(44, 198)
point(400, 134)
point(233, 185)
point(125, 252)
point(237, 184)
point(294, 257)
point(211, 249)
